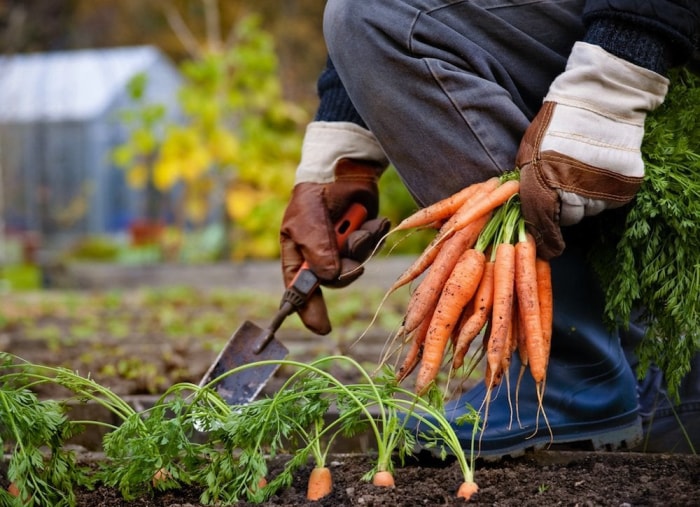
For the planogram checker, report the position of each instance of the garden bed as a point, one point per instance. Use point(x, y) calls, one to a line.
point(138, 342)
point(544, 478)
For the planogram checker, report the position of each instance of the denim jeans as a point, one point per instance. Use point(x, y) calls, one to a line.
point(449, 87)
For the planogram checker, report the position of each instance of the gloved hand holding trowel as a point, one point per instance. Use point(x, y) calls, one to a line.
point(340, 166)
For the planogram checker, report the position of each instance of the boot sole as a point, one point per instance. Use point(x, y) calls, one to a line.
point(622, 437)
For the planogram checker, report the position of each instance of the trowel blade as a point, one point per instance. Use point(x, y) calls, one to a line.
point(243, 386)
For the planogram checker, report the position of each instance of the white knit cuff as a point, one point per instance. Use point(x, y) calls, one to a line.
point(325, 143)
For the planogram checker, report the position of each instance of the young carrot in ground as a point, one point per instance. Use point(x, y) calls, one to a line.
point(424, 299)
point(467, 490)
point(457, 291)
point(383, 479)
point(320, 483)
point(486, 204)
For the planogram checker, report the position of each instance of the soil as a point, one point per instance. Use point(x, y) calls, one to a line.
point(573, 479)
point(138, 343)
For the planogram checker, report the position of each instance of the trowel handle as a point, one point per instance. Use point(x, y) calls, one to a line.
point(305, 280)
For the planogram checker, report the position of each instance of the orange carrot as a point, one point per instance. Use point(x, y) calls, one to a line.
point(487, 202)
point(522, 354)
point(417, 267)
point(467, 489)
point(526, 287)
point(424, 299)
point(458, 289)
point(443, 208)
point(384, 479)
point(415, 352)
point(502, 311)
point(483, 301)
point(546, 298)
point(320, 483)
point(512, 337)
point(161, 475)
point(13, 490)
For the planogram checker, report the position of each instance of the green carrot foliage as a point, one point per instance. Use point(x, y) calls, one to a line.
point(650, 266)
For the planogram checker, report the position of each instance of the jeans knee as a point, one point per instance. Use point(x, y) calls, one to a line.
point(343, 24)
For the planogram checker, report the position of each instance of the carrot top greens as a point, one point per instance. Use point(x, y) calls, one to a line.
point(652, 263)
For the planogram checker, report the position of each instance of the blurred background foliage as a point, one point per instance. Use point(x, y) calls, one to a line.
point(250, 69)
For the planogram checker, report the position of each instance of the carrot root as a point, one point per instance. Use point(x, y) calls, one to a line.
point(320, 483)
point(467, 489)
point(383, 479)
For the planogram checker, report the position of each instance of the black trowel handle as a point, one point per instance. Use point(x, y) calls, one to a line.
point(306, 282)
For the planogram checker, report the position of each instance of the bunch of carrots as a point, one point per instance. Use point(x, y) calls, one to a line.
point(480, 273)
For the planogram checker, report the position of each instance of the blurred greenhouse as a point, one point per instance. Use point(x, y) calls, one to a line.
point(59, 122)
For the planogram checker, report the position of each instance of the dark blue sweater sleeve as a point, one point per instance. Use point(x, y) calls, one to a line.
point(654, 34)
point(335, 104)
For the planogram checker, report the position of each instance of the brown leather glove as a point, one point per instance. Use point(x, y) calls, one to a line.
point(582, 152)
point(308, 233)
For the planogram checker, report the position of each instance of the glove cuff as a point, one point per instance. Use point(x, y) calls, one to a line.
point(326, 143)
point(602, 83)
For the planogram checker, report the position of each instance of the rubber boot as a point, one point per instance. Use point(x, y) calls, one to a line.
point(590, 397)
point(670, 425)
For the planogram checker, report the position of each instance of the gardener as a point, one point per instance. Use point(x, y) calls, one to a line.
point(454, 92)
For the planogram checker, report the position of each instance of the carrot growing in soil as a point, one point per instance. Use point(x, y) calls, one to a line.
point(320, 483)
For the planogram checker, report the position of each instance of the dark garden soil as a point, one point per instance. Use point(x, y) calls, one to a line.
point(548, 478)
point(139, 343)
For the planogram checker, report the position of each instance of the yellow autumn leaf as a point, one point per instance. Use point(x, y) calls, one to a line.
point(240, 201)
point(196, 208)
point(224, 147)
point(137, 176)
point(195, 164)
point(166, 173)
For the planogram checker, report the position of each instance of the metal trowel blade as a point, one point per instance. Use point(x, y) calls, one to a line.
point(243, 386)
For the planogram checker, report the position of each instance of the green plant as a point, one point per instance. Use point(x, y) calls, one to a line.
point(380, 405)
point(649, 262)
point(155, 448)
point(30, 427)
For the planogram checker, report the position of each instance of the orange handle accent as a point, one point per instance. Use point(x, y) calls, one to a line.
point(353, 218)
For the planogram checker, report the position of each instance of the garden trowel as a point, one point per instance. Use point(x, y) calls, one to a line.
point(251, 344)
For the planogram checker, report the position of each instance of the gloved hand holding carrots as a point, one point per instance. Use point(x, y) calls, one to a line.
point(480, 271)
point(582, 152)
